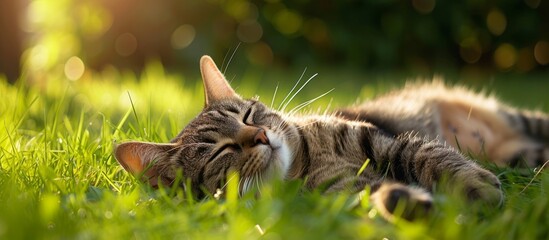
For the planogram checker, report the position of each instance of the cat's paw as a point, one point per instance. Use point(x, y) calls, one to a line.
point(395, 200)
point(478, 185)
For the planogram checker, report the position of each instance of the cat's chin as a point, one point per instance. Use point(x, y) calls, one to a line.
point(276, 162)
point(280, 158)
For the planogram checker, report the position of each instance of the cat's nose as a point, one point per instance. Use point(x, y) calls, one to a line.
point(251, 136)
point(261, 137)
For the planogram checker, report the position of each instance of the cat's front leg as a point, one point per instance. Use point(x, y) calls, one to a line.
point(393, 199)
point(412, 160)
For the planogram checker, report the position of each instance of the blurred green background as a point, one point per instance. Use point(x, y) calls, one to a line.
point(79, 38)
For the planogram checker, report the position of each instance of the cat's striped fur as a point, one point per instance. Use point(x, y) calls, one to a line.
point(471, 122)
point(405, 144)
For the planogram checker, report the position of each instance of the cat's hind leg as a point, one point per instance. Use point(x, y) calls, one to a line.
point(532, 123)
point(532, 155)
point(534, 147)
point(502, 135)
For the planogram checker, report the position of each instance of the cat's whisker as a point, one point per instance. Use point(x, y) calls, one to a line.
point(326, 112)
point(290, 93)
point(282, 125)
point(230, 59)
point(258, 176)
point(240, 188)
point(227, 183)
point(274, 96)
point(249, 183)
point(252, 181)
point(246, 185)
point(261, 180)
point(225, 58)
point(304, 104)
point(299, 90)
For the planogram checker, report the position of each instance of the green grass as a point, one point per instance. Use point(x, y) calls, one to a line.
point(58, 178)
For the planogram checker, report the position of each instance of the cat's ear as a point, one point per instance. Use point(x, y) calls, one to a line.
point(216, 86)
point(141, 158)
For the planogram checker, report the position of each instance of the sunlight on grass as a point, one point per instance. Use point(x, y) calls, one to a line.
point(58, 178)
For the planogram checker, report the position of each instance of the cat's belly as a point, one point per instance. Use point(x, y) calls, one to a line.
point(476, 130)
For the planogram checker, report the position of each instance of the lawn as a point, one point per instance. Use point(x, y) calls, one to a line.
point(59, 180)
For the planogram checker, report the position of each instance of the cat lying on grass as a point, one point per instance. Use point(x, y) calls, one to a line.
point(400, 145)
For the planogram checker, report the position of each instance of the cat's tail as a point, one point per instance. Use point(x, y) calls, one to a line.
point(532, 123)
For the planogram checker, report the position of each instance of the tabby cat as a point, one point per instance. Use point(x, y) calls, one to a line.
point(399, 145)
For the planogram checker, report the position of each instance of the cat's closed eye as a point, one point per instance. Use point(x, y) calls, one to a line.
point(224, 148)
point(248, 119)
point(209, 141)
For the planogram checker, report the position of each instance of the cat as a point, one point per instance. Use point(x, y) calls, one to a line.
point(399, 145)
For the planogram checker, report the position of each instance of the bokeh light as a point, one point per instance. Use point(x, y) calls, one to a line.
point(35, 16)
point(316, 31)
point(496, 22)
point(241, 10)
point(470, 50)
point(505, 56)
point(260, 54)
point(74, 68)
point(38, 57)
point(541, 52)
point(249, 31)
point(424, 35)
point(95, 21)
point(183, 36)
point(288, 22)
point(125, 44)
point(526, 61)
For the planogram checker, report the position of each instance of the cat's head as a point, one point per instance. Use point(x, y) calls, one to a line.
point(230, 134)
